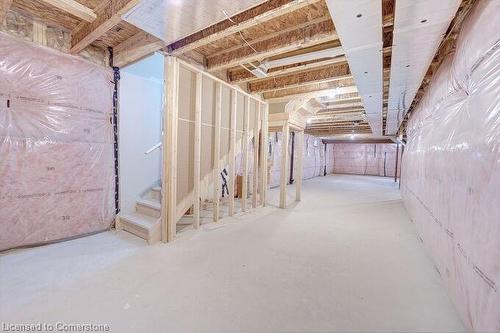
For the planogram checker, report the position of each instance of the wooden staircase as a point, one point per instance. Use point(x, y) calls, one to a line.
point(145, 221)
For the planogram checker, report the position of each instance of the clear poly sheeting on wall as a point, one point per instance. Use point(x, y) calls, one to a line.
point(56, 147)
point(451, 170)
point(364, 159)
point(313, 162)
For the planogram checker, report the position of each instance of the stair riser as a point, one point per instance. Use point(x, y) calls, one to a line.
point(146, 210)
point(134, 229)
point(155, 195)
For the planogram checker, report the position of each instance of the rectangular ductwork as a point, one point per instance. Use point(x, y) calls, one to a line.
point(419, 28)
point(359, 27)
point(322, 54)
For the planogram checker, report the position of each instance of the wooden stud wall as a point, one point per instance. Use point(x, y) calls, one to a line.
point(225, 118)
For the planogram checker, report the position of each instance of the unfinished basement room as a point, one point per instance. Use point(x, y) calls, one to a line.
point(250, 166)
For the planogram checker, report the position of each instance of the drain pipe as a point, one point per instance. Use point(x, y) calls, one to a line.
point(292, 157)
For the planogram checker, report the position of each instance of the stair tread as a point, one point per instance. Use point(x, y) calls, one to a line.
point(155, 204)
point(142, 220)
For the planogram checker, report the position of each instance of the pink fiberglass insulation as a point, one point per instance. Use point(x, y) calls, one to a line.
point(451, 170)
point(364, 159)
point(56, 147)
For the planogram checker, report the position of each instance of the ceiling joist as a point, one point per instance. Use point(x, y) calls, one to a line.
point(108, 16)
point(245, 20)
point(337, 87)
point(242, 75)
point(313, 34)
point(74, 8)
point(323, 74)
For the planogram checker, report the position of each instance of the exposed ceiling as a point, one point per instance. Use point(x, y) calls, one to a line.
point(418, 31)
point(353, 69)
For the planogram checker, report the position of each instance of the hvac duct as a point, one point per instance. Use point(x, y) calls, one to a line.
point(359, 26)
point(418, 30)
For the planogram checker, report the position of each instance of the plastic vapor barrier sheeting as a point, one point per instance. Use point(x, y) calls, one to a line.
point(451, 170)
point(56, 146)
point(313, 162)
point(364, 159)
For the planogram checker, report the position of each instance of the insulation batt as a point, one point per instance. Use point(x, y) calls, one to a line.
point(364, 159)
point(451, 170)
point(56, 146)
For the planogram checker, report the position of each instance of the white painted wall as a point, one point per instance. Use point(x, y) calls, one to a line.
point(139, 128)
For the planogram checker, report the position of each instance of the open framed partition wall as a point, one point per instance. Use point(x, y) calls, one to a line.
point(214, 134)
point(287, 122)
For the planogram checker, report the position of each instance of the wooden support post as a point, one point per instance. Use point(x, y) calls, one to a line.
point(197, 151)
point(299, 136)
point(244, 143)
point(264, 152)
point(169, 174)
point(396, 170)
point(255, 190)
point(232, 149)
point(39, 33)
point(216, 151)
point(284, 164)
point(262, 155)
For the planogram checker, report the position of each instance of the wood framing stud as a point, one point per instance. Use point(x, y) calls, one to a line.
point(39, 33)
point(299, 164)
point(244, 149)
point(169, 181)
point(216, 151)
point(74, 8)
point(284, 163)
point(197, 151)
point(232, 149)
point(255, 189)
point(263, 154)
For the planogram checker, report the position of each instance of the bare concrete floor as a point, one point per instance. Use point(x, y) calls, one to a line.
point(346, 258)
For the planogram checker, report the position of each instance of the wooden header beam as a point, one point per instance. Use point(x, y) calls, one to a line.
point(136, 48)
